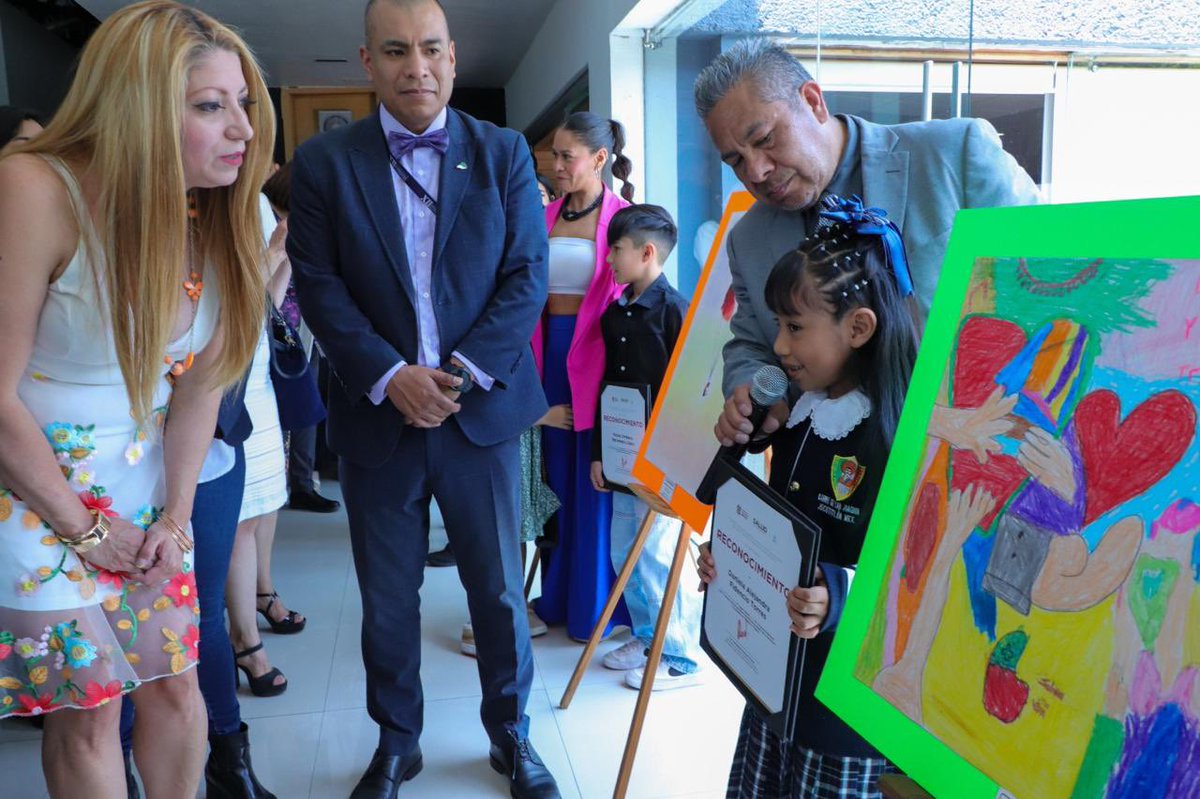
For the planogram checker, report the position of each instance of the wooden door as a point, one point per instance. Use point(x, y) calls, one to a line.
point(309, 110)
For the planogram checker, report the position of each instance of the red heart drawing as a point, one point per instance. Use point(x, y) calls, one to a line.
point(1123, 459)
point(985, 346)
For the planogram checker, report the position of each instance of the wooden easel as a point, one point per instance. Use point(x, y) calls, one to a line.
point(657, 508)
point(898, 786)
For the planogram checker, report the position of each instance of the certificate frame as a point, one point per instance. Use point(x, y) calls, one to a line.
point(648, 398)
point(808, 538)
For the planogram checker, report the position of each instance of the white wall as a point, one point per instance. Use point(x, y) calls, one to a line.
point(574, 37)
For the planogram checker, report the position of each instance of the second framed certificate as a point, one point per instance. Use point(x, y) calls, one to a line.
point(624, 409)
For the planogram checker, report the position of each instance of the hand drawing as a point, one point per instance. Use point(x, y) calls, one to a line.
point(901, 683)
point(975, 429)
point(1049, 461)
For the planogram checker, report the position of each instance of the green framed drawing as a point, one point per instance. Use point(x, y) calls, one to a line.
point(1025, 620)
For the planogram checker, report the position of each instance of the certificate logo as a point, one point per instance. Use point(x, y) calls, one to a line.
point(845, 475)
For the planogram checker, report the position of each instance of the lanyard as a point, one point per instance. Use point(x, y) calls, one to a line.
point(413, 184)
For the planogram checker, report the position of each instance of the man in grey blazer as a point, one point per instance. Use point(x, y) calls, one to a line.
point(768, 119)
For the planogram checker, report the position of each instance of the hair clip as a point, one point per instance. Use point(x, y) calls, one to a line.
point(849, 213)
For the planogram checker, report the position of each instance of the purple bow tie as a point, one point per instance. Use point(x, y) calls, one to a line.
point(401, 144)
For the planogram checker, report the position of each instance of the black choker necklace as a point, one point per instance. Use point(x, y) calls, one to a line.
point(575, 216)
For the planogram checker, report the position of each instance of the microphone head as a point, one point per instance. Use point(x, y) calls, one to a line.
point(768, 386)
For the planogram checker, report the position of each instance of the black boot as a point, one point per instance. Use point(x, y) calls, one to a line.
point(229, 774)
point(131, 786)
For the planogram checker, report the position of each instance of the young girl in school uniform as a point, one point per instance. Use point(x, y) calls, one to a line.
point(847, 341)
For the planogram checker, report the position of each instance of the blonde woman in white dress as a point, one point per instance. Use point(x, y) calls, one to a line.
point(123, 318)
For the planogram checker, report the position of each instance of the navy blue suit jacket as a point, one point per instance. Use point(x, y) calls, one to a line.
point(234, 425)
point(355, 288)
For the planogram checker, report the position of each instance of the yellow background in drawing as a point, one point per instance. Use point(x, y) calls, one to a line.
point(1028, 756)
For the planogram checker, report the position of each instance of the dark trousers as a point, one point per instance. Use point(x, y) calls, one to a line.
point(478, 492)
point(302, 456)
point(214, 524)
point(302, 448)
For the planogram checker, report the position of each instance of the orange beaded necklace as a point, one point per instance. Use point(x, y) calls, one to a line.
point(194, 286)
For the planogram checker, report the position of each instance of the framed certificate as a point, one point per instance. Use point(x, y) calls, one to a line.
point(762, 547)
point(624, 409)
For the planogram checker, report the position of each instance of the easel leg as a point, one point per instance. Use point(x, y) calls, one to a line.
point(610, 607)
point(533, 567)
point(652, 661)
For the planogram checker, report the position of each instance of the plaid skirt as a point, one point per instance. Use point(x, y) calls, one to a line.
point(764, 767)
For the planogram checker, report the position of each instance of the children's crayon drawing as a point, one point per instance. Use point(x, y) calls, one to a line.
point(679, 444)
point(1040, 613)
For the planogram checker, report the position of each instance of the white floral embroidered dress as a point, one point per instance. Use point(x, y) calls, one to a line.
point(70, 634)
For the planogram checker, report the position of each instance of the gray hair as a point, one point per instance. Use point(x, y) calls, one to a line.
point(776, 74)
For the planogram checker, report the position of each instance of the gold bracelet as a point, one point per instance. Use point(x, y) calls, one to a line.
point(182, 542)
point(92, 538)
point(170, 523)
point(177, 532)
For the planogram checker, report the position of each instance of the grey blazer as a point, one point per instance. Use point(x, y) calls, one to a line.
point(921, 173)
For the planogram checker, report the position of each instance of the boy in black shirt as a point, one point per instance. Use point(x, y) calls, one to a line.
point(640, 330)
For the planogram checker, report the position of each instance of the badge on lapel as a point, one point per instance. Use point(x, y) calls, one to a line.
point(461, 165)
point(845, 475)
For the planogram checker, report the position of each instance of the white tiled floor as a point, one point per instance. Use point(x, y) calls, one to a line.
point(315, 739)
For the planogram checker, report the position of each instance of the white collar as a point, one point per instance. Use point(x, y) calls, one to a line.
point(391, 125)
point(832, 419)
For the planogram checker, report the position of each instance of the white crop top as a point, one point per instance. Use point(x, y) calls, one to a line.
point(572, 265)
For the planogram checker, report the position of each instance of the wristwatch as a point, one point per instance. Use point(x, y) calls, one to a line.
point(92, 538)
point(468, 381)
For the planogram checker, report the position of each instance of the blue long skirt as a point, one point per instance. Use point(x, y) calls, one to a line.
point(578, 574)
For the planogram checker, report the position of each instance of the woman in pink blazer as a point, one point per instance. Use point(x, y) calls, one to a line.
point(569, 352)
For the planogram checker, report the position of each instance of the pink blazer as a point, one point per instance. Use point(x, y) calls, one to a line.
point(585, 359)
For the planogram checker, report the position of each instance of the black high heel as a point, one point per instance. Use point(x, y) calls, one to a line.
point(262, 685)
point(290, 623)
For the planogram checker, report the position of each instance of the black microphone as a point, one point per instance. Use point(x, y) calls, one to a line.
point(768, 386)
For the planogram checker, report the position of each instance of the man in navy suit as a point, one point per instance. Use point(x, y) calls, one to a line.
point(418, 243)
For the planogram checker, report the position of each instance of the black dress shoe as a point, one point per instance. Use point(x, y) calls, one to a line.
point(312, 501)
point(443, 557)
point(382, 778)
point(528, 777)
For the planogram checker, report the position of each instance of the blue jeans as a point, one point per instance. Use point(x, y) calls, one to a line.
point(214, 524)
point(646, 586)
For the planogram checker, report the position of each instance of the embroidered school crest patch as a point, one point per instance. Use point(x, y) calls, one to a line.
point(845, 475)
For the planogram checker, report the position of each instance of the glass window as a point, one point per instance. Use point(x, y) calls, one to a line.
point(1092, 110)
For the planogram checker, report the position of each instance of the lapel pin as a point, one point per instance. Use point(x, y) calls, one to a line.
point(461, 165)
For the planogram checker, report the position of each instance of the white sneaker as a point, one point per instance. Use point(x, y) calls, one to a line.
point(665, 678)
point(536, 625)
point(628, 656)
